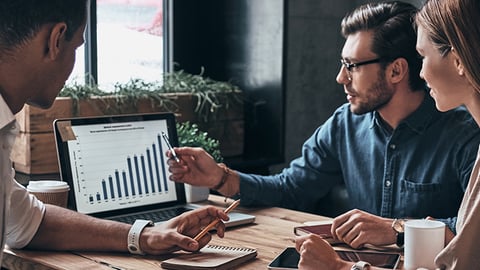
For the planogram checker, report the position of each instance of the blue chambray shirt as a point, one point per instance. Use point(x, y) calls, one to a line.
point(419, 169)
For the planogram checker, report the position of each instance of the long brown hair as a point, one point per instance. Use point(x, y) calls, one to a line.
point(453, 24)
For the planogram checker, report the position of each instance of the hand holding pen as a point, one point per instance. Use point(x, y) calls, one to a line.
point(165, 138)
point(216, 221)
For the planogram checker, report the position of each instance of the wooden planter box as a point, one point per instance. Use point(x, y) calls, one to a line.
point(34, 151)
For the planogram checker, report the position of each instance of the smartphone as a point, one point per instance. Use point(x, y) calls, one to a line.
point(323, 230)
point(289, 258)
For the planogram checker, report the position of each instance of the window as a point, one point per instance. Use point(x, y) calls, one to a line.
point(124, 40)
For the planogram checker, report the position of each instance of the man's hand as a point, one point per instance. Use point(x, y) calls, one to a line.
point(178, 233)
point(316, 253)
point(196, 167)
point(357, 228)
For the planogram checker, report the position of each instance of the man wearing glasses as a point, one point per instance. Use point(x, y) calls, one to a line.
point(396, 154)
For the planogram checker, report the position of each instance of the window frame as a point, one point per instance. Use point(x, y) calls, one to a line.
point(91, 49)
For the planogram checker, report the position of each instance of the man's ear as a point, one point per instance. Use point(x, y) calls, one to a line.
point(55, 40)
point(397, 70)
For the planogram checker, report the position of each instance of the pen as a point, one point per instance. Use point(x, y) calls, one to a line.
point(165, 138)
point(215, 222)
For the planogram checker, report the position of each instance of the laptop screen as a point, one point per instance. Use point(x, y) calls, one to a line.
point(117, 164)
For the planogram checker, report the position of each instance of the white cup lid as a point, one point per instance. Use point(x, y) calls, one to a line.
point(47, 186)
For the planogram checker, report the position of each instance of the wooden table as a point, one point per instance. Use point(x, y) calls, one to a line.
point(271, 232)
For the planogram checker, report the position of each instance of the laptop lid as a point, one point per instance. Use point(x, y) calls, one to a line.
point(116, 165)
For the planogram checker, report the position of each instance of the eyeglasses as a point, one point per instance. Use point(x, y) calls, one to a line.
point(349, 66)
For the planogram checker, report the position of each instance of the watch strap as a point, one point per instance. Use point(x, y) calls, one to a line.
point(133, 240)
point(400, 239)
point(398, 227)
point(360, 265)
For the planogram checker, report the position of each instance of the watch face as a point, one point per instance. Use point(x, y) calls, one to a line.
point(398, 225)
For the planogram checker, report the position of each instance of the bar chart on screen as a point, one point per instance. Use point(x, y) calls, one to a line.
point(121, 164)
point(143, 176)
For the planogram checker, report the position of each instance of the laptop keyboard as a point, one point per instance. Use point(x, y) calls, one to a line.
point(155, 216)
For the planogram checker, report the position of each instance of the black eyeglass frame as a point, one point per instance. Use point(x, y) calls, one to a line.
point(349, 66)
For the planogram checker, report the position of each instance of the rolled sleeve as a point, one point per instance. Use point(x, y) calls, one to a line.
point(24, 217)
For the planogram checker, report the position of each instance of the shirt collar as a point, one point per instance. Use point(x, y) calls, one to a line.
point(6, 115)
point(419, 119)
point(423, 115)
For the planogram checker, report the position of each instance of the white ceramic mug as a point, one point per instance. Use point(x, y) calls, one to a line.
point(424, 239)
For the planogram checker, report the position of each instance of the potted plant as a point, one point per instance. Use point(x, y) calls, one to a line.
point(215, 107)
point(190, 135)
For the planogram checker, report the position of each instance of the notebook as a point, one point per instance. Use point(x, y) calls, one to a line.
point(117, 169)
point(211, 257)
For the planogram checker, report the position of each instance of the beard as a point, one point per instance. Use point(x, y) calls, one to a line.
point(376, 97)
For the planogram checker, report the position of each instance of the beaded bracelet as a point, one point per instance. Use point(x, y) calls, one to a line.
point(226, 173)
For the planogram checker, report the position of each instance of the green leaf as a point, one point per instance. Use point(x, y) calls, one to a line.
point(211, 95)
point(190, 135)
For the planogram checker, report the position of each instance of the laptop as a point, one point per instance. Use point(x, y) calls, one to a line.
point(117, 169)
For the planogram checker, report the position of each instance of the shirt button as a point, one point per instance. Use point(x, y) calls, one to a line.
point(393, 146)
point(388, 183)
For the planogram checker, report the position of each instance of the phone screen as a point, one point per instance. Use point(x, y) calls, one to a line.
point(385, 260)
point(289, 258)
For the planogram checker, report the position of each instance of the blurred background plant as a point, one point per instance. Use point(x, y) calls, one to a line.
point(211, 94)
point(190, 135)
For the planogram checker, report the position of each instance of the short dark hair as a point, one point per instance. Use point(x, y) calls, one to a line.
point(393, 34)
point(20, 20)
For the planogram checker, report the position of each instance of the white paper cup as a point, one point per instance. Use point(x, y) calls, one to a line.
point(424, 239)
point(49, 191)
point(196, 194)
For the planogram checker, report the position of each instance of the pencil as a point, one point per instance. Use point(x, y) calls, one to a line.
point(215, 222)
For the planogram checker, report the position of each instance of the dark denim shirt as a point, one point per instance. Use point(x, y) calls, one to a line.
point(419, 169)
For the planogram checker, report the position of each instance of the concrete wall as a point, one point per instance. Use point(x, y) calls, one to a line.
point(313, 48)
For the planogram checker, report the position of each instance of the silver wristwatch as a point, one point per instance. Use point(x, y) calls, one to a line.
point(361, 265)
